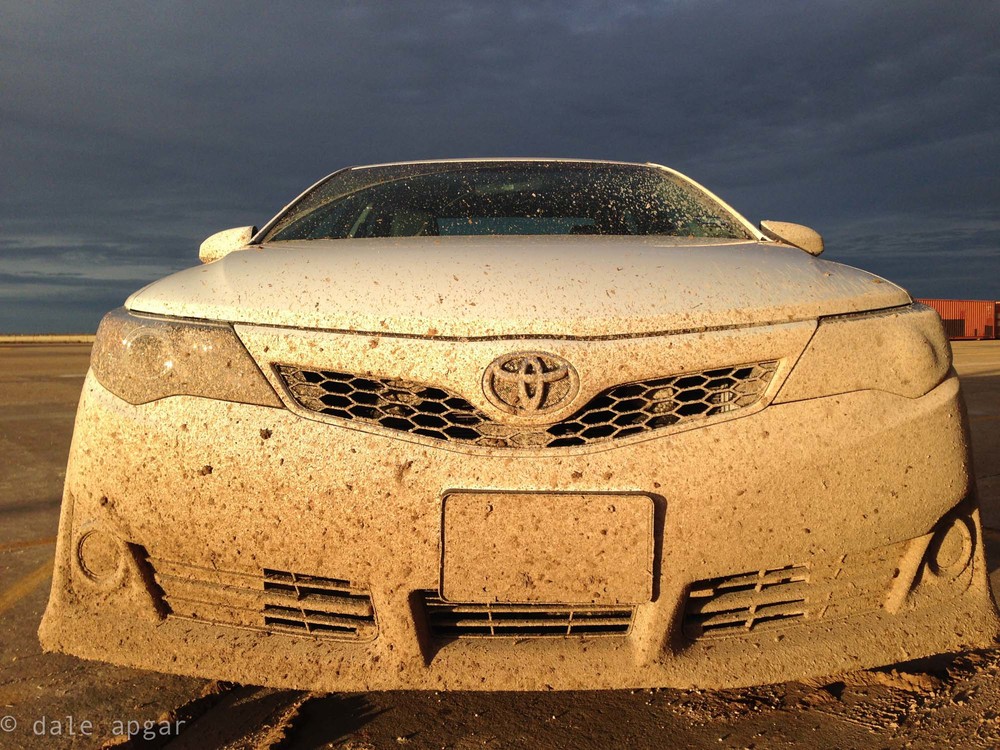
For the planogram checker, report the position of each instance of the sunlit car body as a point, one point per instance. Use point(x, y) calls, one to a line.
point(606, 435)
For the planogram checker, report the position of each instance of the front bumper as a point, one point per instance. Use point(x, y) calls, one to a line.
point(850, 489)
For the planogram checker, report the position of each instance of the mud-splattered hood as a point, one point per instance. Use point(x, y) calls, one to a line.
point(489, 286)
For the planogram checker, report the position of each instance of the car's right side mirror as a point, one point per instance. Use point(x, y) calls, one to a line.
point(222, 243)
point(796, 235)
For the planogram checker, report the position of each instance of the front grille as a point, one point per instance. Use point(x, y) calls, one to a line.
point(273, 600)
point(825, 589)
point(451, 620)
point(618, 412)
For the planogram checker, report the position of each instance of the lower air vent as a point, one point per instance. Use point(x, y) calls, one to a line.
point(273, 600)
point(826, 589)
point(451, 620)
point(318, 606)
point(745, 602)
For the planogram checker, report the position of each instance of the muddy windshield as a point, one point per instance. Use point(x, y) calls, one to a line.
point(504, 198)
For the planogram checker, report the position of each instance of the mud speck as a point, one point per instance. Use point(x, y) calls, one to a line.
point(265, 434)
point(402, 469)
point(205, 470)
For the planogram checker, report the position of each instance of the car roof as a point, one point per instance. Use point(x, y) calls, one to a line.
point(504, 159)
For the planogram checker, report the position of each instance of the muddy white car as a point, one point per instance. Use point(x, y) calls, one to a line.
point(518, 424)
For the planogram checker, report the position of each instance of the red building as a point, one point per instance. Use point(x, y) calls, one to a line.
point(967, 318)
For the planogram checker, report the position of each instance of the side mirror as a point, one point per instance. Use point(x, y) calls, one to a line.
point(796, 235)
point(222, 243)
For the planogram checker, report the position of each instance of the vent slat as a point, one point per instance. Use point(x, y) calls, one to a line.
point(311, 616)
point(357, 605)
point(213, 612)
point(212, 576)
point(536, 622)
point(281, 578)
point(764, 579)
point(537, 610)
point(299, 627)
point(207, 591)
point(354, 603)
point(784, 609)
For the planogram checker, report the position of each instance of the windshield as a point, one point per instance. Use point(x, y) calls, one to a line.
point(504, 198)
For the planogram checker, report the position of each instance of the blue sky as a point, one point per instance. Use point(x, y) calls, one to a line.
point(132, 131)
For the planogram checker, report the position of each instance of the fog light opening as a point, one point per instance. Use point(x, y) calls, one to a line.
point(950, 551)
point(100, 556)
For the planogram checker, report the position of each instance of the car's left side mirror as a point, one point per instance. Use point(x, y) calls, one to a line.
point(797, 235)
point(222, 243)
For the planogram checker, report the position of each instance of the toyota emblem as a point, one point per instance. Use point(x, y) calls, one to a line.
point(530, 384)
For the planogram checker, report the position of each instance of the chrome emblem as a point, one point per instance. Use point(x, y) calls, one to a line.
point(530, 384)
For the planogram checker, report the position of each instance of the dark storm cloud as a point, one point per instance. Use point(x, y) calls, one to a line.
point(132, 131)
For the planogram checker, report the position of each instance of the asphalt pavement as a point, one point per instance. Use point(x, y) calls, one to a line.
point(51, 700)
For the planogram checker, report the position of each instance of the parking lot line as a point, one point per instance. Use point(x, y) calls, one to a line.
point(29, 543)
point(26, 585)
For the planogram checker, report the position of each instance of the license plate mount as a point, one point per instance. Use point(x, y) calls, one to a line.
point(573, 548)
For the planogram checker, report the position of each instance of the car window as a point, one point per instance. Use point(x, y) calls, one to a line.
point(504, 199)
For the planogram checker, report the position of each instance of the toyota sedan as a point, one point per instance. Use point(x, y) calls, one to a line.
point(518, 425)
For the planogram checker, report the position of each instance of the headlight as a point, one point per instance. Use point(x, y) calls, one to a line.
point(142, 359)
point(903, 350)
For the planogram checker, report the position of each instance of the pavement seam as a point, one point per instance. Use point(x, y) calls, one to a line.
point(26, 544)
point(26, 585)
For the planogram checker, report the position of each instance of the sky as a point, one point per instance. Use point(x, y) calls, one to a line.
point(132, 131)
